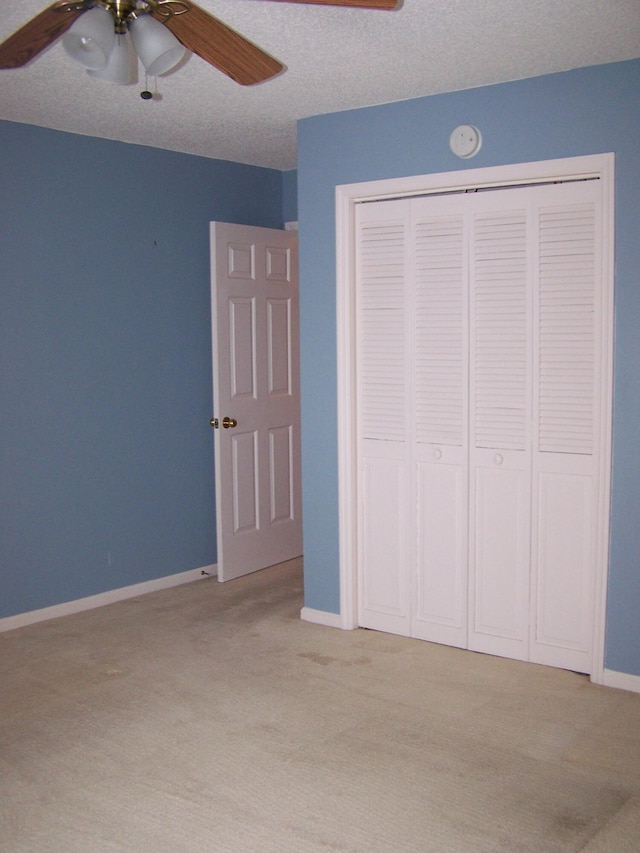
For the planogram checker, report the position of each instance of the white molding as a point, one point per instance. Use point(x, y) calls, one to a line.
point(321, 617)
point(347, 197)
point(607, 175)
point(347, 476)
point(491, 177)
point(621, 680)
point(8, 623)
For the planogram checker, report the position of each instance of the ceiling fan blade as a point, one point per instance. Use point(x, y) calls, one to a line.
point(219, 45)
point(362, 4)
point(39, 32)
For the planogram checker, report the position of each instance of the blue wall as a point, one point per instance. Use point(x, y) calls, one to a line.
point(587, 111)
point(290, 195)
point(106, 453)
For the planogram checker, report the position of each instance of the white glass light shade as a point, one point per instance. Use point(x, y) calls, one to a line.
point(159, 50)
point(122, 64)
point(90, 39)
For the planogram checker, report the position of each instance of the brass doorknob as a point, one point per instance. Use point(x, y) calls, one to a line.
point(214, 423)
point(229, 423)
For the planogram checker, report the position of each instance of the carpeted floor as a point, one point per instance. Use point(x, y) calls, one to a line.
point(208, 717)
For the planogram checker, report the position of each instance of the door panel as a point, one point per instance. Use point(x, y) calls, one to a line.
point(385, 536)
point(440, 420)
point(499, 392)
point(440, 598)
point(254, 293)
point(245, 480)
point(563, 568)
point(241, 343)
point(499, 555)
point(282, 495)
point(568, 394)
point(280, 346)
point(384, 381)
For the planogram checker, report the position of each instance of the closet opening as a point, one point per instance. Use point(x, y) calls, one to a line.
point(474, 392)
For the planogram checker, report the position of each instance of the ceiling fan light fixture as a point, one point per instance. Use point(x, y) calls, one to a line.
point(157, 48)
point(122, 65)
point(90, 40)
point(162, 33)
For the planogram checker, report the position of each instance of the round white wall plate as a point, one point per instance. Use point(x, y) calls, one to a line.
point(465, 141)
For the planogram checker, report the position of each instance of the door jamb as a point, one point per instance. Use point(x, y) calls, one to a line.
point(600, 166)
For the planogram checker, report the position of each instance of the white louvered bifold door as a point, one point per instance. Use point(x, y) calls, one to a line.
point(500, 414)
point(568, 395)
point(385, 512)
point(440, 415)
point(480, 321)
point(535, 403)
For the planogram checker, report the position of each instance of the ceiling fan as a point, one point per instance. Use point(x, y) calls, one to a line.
point(95, 34)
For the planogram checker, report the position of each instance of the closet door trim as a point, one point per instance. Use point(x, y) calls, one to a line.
point(593, 167)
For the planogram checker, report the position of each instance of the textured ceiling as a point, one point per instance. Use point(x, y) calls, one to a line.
point(335, 59)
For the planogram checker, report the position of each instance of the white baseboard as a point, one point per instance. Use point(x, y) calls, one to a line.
point(321, 617)
point(621, 680)
point(8, 623)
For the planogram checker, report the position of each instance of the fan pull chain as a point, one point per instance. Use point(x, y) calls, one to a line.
point(147, 95)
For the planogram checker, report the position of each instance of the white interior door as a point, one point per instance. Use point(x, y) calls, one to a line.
point(255, 333)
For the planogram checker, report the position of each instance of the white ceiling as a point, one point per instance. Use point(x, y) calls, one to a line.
point(336, 59)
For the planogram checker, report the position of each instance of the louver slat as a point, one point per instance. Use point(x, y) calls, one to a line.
point(566, 332)
point(382, 379)
point(500, 330)
point(440, 389)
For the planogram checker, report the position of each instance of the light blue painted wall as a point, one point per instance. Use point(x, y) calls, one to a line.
point(106, 454)
point(290, 195)
point(587, 111)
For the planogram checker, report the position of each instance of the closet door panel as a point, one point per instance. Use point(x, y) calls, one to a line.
point(385, 507)
point(500, 410)
point(440, 419)
point(567, 400)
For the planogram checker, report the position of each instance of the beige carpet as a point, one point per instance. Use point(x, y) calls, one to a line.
point(208, 717)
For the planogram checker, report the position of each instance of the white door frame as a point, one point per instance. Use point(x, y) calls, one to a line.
point(599, 166)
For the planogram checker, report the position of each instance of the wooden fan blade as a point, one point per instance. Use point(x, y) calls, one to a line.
point(219, 45)
point(361, 4)
point(39, 33)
